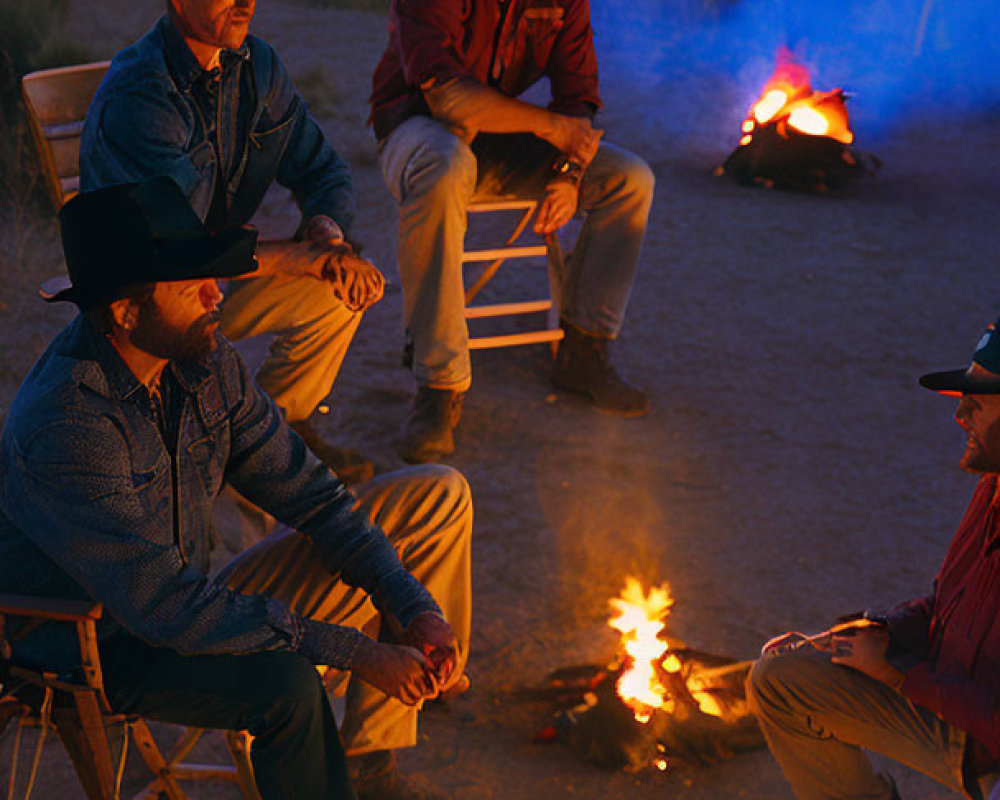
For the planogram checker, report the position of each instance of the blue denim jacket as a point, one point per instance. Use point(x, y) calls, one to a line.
point(93, 506)
point(146, 120)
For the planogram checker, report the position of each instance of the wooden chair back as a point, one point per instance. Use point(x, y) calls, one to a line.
point(57, 102)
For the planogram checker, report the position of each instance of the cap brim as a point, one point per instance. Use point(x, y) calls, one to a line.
point(227, 254)
point(958, 382)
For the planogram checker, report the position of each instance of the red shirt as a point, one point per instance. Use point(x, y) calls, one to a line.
point(505, 45)
point(955, 633)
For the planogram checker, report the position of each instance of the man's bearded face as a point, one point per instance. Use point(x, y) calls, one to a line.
point(219, 23)
point(179, 320)
point(979, 416)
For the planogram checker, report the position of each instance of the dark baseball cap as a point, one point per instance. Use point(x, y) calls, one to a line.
point(123, 236)
point(982, 376)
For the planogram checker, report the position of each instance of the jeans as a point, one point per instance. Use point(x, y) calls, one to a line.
point(433, 175)
point(817, 716)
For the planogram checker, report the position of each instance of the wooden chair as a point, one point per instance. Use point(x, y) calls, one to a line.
point(77, 707)
point(496, 257)
point(57, 102)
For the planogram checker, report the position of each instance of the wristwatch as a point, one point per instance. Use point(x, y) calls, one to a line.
point(569, 169)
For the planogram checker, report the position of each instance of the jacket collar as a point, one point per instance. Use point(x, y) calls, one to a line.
point(122, 382)
point(181, 60)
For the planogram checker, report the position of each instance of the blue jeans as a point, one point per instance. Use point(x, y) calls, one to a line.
point(433, 175)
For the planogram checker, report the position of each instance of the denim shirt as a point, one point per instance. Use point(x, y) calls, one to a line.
point(94, 506)
point(150, 117)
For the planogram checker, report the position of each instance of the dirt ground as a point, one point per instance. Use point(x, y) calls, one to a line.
point(790, 468)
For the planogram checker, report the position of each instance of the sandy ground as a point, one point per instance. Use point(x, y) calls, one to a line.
point(790, 469)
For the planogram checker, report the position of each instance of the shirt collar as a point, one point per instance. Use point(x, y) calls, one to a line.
point(122, 381)
point(182, 61)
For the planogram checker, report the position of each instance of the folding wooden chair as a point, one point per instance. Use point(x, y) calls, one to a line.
point(76, 706)
point(57, 102)
point(496, 257)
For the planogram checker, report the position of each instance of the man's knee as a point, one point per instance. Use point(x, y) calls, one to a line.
point(624, 173)
point(452, 499)
point(442, 165)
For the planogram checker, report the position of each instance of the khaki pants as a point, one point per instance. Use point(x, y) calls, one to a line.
point(313, 330)
point(426, 512)
point(817, 716)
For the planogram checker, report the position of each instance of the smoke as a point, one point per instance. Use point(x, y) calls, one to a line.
point(903, 59)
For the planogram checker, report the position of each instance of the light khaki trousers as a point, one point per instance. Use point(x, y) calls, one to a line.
point(817, 716)
point(426, 512)
point(312, 332)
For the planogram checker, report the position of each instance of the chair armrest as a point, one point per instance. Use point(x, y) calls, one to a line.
point(50, 608)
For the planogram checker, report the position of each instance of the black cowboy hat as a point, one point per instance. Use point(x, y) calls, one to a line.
point(969, 380)
point(123, 236)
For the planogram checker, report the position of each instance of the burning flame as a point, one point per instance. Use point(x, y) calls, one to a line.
point(641, 619)
point(788, 98)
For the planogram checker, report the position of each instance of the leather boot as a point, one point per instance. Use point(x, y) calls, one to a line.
point(427, 434)
point(582, 367)
point(375, 776)
point(350, 465)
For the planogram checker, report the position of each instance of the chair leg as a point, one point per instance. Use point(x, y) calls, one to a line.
point(82, 732)
point(165, 783)
point(239, 746)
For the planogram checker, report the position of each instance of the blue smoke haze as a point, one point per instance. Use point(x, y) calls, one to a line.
point(903, 59)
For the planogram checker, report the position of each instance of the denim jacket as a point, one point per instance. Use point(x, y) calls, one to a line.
point(147, 120)
point(94, 506)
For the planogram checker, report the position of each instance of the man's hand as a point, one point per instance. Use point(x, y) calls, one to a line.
point(557, 207)
point(864, 650)
point(576, 138)
point(433, 636)
point(356, 282)
point(400, 671)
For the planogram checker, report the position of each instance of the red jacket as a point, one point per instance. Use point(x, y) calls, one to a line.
point(437, 40)
point(948, 643)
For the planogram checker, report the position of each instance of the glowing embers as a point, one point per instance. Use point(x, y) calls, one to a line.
point(796, 138)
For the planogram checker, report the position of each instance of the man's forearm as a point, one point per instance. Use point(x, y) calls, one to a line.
point(474, 108)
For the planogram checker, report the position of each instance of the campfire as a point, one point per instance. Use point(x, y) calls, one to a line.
point(658, 700)
point(796, 138)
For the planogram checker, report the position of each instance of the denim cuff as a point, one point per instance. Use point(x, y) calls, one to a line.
point(332, 645)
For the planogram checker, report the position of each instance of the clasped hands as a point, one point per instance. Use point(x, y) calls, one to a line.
point(578, 141)
point(860, 644)
point(327, 256)
point(419, 665)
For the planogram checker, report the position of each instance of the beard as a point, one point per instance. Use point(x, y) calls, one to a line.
point(158, 337)
point(982, 456)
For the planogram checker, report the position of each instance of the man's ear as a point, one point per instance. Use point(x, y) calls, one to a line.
point(125, 313)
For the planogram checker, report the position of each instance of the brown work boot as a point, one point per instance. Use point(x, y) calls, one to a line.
point(350, 465)
point(428, 432)
point(582, 367)
point(375, 776)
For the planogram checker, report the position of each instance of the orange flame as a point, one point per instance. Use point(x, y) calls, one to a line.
point(789, 98)
point(641, 619)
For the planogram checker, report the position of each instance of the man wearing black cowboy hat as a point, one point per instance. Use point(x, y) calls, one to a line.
point(199, 100)
point(111, 457)
point(922, 683)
